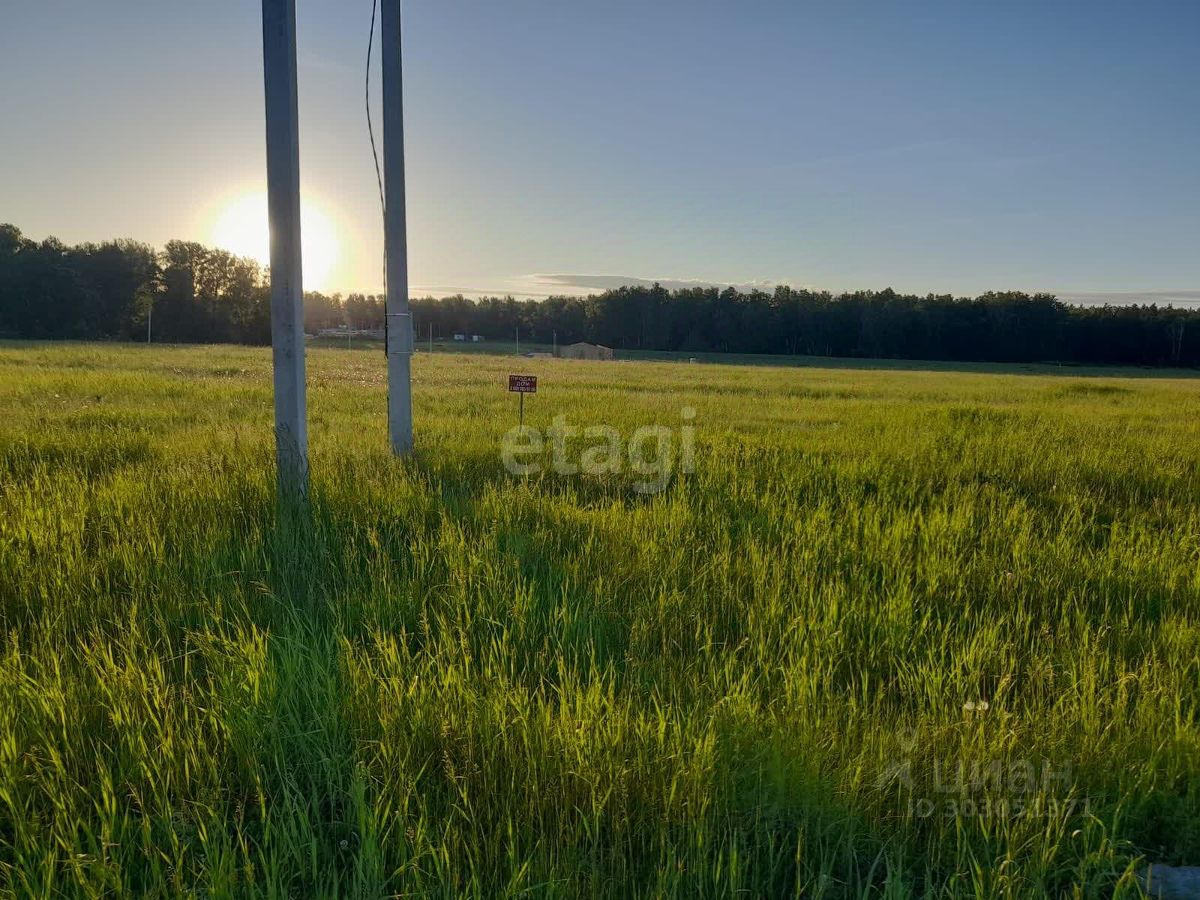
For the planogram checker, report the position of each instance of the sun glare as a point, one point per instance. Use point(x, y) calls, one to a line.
point(241, 227)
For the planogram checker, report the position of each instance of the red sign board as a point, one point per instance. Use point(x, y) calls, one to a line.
point(523, 384)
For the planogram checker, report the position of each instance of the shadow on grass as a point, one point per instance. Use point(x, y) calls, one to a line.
point(325, 818)
point(310, 800)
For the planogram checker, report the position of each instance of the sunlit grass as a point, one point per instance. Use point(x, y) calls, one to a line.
point(447, 680)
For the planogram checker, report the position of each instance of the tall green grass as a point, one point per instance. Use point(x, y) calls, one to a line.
point(444, 680)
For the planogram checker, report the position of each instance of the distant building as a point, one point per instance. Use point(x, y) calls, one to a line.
point(460, 337)
point(477, 339)
point(584, 350)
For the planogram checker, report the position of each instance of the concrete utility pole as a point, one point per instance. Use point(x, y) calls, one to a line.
point(399, 319)
point(283, 208)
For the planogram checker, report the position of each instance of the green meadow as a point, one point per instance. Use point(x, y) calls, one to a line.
point(900, 632)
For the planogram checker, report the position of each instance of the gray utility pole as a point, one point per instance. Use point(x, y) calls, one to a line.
point(399, 319)
point(283, 208)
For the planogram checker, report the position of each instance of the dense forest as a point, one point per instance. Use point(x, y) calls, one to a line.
point(186, 292)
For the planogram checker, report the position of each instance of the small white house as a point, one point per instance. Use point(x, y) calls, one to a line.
point(477, 339)
point(460, 337)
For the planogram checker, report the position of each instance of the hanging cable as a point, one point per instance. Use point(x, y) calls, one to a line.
point(375, 156)
point(370, 129)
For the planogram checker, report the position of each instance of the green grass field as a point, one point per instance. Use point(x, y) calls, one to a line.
point(899, 633)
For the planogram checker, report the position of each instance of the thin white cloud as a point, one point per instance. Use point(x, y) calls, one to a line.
point(446, 290)
point(542, 284)
point(1130, 298)
point(584, 282)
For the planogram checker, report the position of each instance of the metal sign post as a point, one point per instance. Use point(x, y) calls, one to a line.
point(283, 208)
point(522, 385)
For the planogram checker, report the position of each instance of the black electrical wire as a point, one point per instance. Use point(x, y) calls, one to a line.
point(375, 156)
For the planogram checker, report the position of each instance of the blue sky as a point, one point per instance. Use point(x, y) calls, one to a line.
point(948, 147)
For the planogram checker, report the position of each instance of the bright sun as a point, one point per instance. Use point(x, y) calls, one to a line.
point(241, 227)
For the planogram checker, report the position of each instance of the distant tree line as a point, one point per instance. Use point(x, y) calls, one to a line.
point(191, 293)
